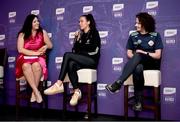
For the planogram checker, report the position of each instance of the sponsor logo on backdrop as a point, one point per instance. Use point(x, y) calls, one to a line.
point(23, 84)
point(2, 39)
point(49, 83)
point(118, 10)
point(58, 61)
point(103, 35)
point(101, 86)
point(170, 36)
point(117, 64)
point(60, 13)
point(11, 61)
point(87, 9)
point(35, 12)
point(131, 91)
point(71, 37)
point(50, 35)
point(152, 7)
point(101, 89)
point(12, 17)
point(169, 95)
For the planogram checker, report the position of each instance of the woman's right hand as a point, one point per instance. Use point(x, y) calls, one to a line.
point(77, 35)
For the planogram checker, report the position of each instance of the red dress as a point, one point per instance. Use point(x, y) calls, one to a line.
point(32, 43)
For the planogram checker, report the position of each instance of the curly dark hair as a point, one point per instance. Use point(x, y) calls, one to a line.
point(27, 26)
point(147, 21)
point(89, 17)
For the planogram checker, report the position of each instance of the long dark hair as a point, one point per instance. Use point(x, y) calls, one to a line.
point(27, 26)
point(89, 17)
point(147, 21)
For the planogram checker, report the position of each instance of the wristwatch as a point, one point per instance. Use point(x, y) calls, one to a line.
point(147, 53)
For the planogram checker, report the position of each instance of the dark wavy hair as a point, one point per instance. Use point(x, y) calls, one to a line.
point(147, 21)
point(27, 26)
point(89, 17)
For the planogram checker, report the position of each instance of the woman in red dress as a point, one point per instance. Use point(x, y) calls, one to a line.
point(32, 44)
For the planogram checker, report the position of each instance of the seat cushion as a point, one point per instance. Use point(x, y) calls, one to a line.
point(1, 71)
point(151, 77)
point(85, 76)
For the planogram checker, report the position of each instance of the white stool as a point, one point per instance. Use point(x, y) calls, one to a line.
point(87, 77)
point(1, 71)
point(153, 79)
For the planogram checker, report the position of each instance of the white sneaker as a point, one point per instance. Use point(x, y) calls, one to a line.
point(76, 96)
point(54, 89)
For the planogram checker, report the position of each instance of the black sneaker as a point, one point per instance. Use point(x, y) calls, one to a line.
point(137, 106)
point(113, 88)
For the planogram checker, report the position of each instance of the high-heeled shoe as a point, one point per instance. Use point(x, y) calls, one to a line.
point(54, 89)
point(33, 98)
point(39, 97)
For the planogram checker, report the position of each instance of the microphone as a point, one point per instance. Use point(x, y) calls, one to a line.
point(78, 35)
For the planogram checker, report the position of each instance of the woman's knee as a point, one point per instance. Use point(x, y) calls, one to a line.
point(26, 66)
point(72, 65)
point(36, 66)
point(139, 69)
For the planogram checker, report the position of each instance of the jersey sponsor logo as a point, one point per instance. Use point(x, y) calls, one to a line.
point(2, 37)
point(12, 14)
point(151, 43)
point(118, 7)
point(60, 11)
point(87, 9)
point(151, 4)
point(35, 12)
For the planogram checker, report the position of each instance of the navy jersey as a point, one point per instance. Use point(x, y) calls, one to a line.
point(147, 42)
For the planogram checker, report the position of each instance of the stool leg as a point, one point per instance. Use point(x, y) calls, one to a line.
point(17, 99)
point(65, 99)
point(157, 102)
point(95, 99)
point(89, 100)
point(126, 102)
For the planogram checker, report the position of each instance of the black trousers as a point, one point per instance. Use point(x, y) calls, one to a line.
point(135, 66)
point(73, 62)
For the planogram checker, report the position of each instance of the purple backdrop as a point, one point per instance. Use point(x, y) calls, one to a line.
point(115, 19)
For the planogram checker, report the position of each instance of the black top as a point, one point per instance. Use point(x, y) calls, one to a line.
point(147, 42)
point(89, 45)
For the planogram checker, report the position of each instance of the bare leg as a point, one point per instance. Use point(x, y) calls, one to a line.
point(28, 73)
point(37, 71)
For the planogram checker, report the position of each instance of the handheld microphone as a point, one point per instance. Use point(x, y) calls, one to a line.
point(78, 35)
